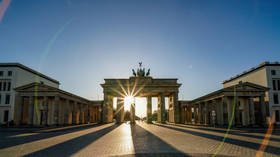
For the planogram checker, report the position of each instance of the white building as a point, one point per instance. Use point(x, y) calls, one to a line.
point(267, 74)
point(13, 75)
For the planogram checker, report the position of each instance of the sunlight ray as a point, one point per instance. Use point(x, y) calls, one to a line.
point(118, 81)
point(118, 110)
point(139, 90)
point(128, 87)
point(134, 86)
point(118, 92)
point(120, 102)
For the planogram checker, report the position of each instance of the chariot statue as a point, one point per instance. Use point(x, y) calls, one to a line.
point(141, 72)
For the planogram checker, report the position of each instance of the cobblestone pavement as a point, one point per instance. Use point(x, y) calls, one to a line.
point(141, 139)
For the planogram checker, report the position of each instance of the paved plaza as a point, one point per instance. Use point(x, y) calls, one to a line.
point(140, 139)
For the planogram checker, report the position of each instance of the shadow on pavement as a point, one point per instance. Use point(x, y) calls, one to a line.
point(238, 142)
point(7, 141)
point(147, 144)
point(72, 146)
point(233, 132)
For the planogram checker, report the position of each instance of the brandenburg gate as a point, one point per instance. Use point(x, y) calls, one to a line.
point(141, 84)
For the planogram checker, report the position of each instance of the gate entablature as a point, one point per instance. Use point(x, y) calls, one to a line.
point(138, 86)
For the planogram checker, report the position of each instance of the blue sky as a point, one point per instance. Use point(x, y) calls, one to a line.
point(81, 42)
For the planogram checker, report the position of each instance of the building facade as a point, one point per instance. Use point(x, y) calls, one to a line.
point(267, 74)
point(13, 75)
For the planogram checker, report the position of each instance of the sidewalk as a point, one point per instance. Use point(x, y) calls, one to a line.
point(218, 128)
point(44, 129)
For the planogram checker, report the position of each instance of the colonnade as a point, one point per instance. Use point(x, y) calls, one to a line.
point(173, 111)
point(54, 110)
point(226, 110)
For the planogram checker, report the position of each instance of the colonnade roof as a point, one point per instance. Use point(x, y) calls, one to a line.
point(39, 87)
point(238, 88)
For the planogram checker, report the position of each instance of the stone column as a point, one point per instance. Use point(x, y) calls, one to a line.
point(149, 109)
point(120, 111)
point(70, 112)
point(252, 111)
point(217, 111)
point(35, 111)
point(161, 108)
point(194, 113)
point(74, 111)
point(18, 108)
point(99, 114)
point(84, 113)
point(107, 109)
point(230, 107)
point(225, 110)
point(202, 118)
point(50, 110)
point(206, 114)
point(199, 113)
point(132, 112)
point(82, 118)
point(246, 115)
point(75, 115)
point(187, 114)
point(61, 109)
point(176, 108)
point(45, 107)
point(221, 112)
point(104, 111)
point(80, 110)
point(237, 111)
point(31, 110)
point(263, 110)
point(170, 112)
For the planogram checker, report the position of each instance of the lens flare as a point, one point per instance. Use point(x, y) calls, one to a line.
point(3, 8)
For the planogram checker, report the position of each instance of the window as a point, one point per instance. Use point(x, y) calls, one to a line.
point(7, 101)
point(0, 86)
point(273, 72)
point(4, 86)
point(278, 83)
point(277, 116)
point(1, 73)
point(0, 98)
point(274, 84)
point(9, 86)
point(6, 115)
point(275, 98)
point(10, 73)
